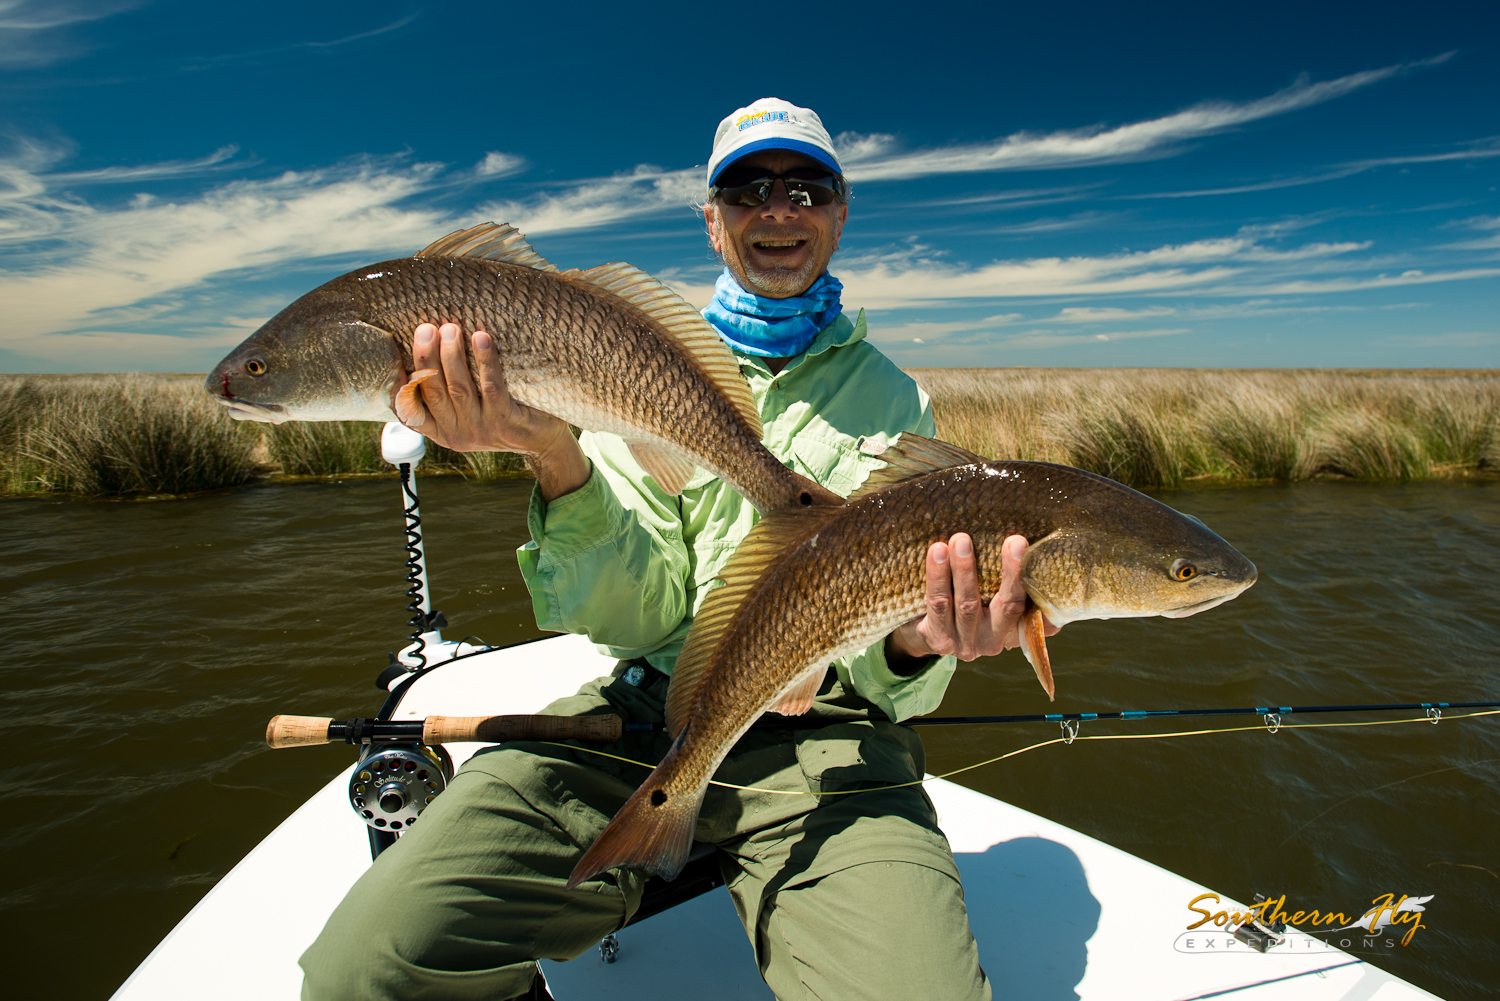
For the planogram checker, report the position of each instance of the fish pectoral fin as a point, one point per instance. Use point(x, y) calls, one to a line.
point(409, 409)
point(800, 697)
point(670, 470)
point(1032, 628)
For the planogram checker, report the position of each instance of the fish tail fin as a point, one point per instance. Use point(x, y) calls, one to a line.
point(1033, 628)
point(409, 409)
point(652, 831)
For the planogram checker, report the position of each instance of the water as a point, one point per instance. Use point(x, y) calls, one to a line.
point(151, 642)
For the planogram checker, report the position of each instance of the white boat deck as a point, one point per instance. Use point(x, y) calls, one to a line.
point(1057, 914)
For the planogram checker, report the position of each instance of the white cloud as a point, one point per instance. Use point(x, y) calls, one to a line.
point(260, 55)
point(1477, 151)
point(1081, 220)
point(873, 158)
point(76, 268)
point(496, 165)
point(1458, 339)
point(1351, 284)
point(601, 201)
point(128, 350)
point(923, 332)
point(692, 288)
point(913, 276)
point(1481, 150)
point(1013, 199)
point(1485, 224)
point(31, 30)
point(909, 276)
point(1047, 339)
point(1285, 182)
point(1109, 314)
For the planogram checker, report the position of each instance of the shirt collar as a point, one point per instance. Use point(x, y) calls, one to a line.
point(840, 333)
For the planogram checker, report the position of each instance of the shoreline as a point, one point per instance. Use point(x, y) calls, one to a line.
point(160, 437)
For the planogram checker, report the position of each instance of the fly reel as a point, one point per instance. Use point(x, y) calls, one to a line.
point(394, 783)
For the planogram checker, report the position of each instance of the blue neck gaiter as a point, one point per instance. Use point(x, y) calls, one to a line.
point(773, 328)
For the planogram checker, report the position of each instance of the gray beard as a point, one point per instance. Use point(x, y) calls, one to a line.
point(776, 283)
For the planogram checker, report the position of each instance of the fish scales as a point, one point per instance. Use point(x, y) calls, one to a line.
point(809, 586)
point(637, 362)
point(887, 538)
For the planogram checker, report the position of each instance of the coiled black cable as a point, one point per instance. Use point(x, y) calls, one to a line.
point(418, 620)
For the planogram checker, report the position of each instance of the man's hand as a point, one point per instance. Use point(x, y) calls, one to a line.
point(957, 620)
point(484, 418)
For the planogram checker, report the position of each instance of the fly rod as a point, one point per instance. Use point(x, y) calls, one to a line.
point(302, 731)
point(1428, 707)
point(1434, 711)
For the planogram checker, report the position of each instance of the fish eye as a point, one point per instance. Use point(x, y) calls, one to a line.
point(1183, 570)
point(255, 366)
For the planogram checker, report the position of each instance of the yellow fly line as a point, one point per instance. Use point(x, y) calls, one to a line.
point(1033, 747)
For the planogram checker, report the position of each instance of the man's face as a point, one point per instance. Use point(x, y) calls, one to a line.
point(777, 249)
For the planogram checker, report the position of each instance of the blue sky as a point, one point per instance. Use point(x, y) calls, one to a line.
point(1296, 184)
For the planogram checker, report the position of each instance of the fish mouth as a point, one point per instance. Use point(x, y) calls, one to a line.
point(1203, 606)
point(244, 410)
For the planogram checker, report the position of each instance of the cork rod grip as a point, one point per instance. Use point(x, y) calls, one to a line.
point(297, 731)
point(493, 729)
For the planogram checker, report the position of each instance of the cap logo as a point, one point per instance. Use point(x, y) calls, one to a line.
point(764, 117)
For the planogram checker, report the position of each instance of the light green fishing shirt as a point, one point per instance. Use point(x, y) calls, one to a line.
point(628, 564)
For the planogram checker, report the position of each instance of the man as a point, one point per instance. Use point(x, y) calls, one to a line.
point(850, 896)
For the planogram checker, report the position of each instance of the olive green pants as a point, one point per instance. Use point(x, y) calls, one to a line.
point(843, 897)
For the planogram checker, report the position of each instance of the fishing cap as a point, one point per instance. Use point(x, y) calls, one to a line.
point(771, 123)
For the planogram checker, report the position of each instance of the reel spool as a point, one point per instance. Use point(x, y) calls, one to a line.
point(394, 783)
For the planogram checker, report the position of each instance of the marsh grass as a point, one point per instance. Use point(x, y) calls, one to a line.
point(1163, 427)
point(152, 435)
point(111, 436)
point(132, 435)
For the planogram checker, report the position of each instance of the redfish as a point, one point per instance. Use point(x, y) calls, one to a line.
point(808, 586)
point(607, 349)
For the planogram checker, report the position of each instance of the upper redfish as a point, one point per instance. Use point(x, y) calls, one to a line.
point(806, 587)
point(607, 349)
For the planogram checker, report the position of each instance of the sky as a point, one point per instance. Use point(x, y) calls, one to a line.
point(1089, 184)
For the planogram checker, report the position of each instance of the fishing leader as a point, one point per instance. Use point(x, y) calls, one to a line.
point(828, 886)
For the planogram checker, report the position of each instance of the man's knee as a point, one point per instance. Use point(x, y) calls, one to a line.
point(877, 930)
point(464, 904)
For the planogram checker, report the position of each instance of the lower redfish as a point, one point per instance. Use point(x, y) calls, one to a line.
point(608, 349)
point(809, 586)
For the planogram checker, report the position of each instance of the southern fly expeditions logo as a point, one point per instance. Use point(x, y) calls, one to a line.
point(1392, 922)
point(764, 118)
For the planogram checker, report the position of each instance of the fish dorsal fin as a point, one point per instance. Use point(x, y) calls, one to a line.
point(683, 324)
point(771, 538)
point(493, 241)
point(911, 456)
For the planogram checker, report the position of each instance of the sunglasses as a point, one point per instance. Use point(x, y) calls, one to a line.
point(805, 186)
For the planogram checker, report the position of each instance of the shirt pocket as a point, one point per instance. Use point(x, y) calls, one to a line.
point(832, 459)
